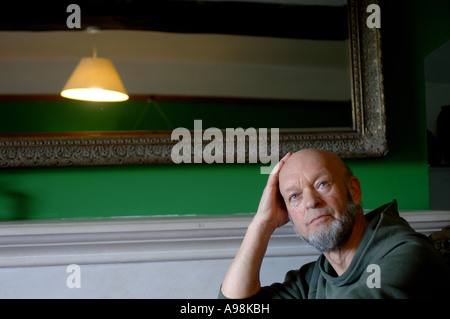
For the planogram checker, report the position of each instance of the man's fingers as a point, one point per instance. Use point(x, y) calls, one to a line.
point(273, 177)
point(285, 157)
point(279, 165)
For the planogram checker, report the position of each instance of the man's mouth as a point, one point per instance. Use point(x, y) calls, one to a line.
point(318, 219)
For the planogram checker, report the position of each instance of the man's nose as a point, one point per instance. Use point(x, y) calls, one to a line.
point(311, 198)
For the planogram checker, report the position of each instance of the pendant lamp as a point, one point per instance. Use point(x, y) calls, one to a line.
point(95, 79)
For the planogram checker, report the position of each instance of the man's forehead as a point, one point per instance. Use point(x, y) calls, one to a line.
point(313, 159)
point(298, 176)
point(310, 165)
point(304, 161)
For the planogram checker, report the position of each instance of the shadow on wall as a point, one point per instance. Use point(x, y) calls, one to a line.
point(14, 204)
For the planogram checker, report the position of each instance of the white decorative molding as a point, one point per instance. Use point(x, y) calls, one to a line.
point(151, 239)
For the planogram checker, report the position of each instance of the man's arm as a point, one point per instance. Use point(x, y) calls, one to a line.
point(242, 278)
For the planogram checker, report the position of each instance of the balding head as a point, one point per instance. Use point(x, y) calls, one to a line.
point(308, 164)
point(309, 158)
point(317, 188)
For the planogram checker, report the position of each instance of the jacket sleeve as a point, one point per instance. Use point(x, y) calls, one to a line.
point(295, 286)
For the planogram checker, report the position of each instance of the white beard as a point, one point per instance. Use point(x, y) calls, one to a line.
point(335, 234)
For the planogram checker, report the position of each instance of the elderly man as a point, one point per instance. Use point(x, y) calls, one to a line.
point(319, 193)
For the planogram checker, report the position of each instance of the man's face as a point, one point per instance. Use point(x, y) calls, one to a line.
point(317, 194)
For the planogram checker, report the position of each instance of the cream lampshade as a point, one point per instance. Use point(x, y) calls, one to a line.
point(95, 79)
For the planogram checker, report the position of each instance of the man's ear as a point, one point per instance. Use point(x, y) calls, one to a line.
point(355, 190)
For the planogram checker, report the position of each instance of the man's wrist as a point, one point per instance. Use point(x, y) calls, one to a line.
point(263, 227)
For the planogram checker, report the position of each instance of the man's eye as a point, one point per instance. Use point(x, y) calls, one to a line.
point(294, 196)
point(323, 184)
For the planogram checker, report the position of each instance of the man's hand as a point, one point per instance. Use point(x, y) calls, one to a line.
point(272, 210)
point(242, 278)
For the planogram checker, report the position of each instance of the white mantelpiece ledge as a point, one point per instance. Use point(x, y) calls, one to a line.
point(153, 239)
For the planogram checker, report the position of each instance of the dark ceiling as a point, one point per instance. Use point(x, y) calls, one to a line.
point(244, 18)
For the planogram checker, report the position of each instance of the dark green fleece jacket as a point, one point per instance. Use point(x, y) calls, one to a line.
point(392, 261)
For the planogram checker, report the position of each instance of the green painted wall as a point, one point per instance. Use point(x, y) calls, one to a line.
point(411, 30)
